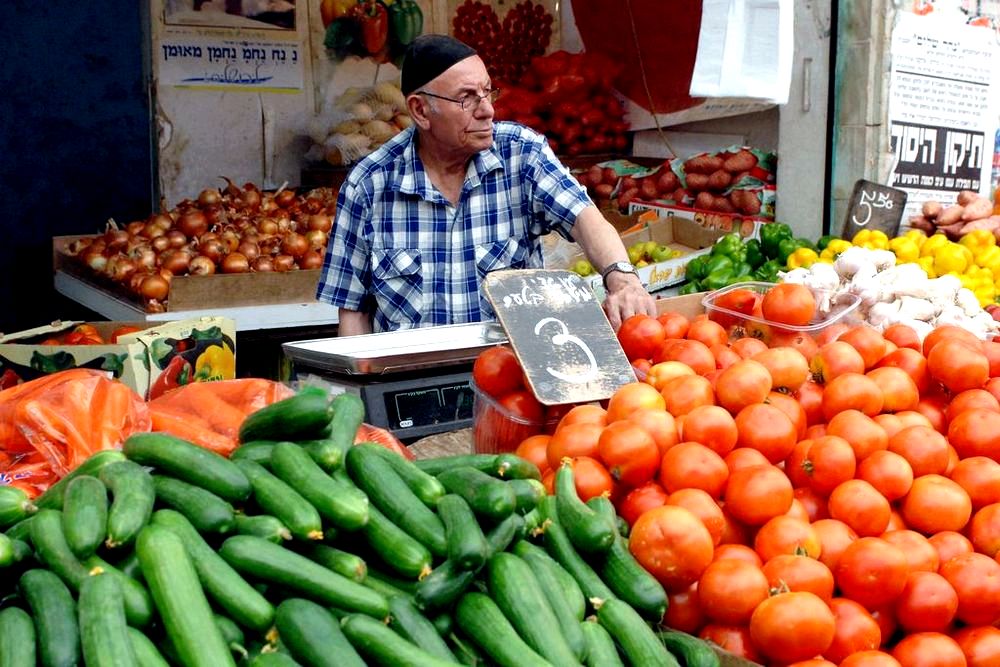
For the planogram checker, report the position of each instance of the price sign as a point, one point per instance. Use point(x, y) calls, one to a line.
point(874, 206)
point(560, 334)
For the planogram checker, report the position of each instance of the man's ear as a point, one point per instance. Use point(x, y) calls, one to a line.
point(418, 108)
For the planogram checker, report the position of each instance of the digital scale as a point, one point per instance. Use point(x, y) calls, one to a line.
point(414, 382)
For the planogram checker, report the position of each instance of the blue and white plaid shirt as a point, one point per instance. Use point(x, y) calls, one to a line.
point(402, 250)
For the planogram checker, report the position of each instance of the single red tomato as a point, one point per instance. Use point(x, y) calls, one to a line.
point(496, 371)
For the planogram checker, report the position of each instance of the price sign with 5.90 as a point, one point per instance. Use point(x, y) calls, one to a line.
point(560, 334)
point(874, 206)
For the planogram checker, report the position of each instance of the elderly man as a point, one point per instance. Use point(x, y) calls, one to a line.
point(423, 219)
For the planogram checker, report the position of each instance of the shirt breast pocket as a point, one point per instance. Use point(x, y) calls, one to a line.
point(511, 253)
point(397, 284)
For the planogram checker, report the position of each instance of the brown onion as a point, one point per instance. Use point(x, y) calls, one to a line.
point(312, 205)
point(235, 263)
point(311, 259)
point(135, 280)
point(284, 263)
point(116, 238)
point(176, 238)
point(267, 226)
point(120, 268)
point(316, 238)
point(152, 230)
point(209, 197)
point(214, 249)
point(161, 219)
point(155, 306)
point(160, 243)
point(201, 266)
point(175, 261)
point(251, 199)
point(135, 227)
point(320, 221)
point(193, 223)
point(155, 286)
point(231, 239)
point(231, 189)
point(263, 264)
point(294, 244)
point(77, 246)
point(248, 249)
point(285, 198)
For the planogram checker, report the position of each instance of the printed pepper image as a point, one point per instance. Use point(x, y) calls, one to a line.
point(177, 373)
point(217, 362)
point(373, 21)
point(406, 20)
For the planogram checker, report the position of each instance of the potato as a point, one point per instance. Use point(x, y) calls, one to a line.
point(604, 190)
point(719, 180)
point(723, 205)
point(626, 196)
point(931, 209)
point(628, 182)
point(608, 175)
point(967, 197)
point(595, 174)
point(680, 195)
point(745, 201)
point(952, 230)
point(991, 224)
point(977, 209)
point(922, 223)
point(705, 200)
point(668, 181)
point(949, 216)
point(697, 182)
point(703, 164)
point(742, 161)
point(647, 188)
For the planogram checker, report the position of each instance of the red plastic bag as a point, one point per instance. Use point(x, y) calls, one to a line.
point(51, 425)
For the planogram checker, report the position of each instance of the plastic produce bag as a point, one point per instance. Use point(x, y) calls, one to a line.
point(50, 425)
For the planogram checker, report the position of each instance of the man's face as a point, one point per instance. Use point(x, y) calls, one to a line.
point(468, 130)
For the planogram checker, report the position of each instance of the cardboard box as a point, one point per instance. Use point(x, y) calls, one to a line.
point(158, 357)
point(202, 292)
point(748, 227)
point(684, 233)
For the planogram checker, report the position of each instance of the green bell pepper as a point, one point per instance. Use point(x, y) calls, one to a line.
point(406, 21)
point(768, 271)
point(787, 246)
point(824, 241)
point(731, 246)
point(771, 235)
point(754, 255)
point(743, 271)
point(696, 269)
point(719, 278)
point(690, 287)
point(717, 263)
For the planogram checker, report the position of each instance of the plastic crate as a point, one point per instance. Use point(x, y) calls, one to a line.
point(495, 429)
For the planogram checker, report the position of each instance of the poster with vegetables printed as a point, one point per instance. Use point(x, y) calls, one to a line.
point(376, 29)
point(943, 108)
point(507, 35)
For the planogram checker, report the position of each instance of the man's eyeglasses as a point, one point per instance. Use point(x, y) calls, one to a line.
point(469, 101)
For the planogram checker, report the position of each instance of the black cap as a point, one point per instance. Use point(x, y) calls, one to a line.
point(428, 56)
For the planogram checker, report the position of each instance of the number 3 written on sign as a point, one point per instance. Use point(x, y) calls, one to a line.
point(561, 339)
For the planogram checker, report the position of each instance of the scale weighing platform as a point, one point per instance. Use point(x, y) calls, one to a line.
point(414, 383)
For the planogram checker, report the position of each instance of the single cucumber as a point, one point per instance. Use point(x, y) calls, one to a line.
point(22, 529)
point(527, 493)
point(14, 506)
point(590, 531)
point(466, 651)
point(54, 610)
point(348, 413)
point(269, 562)
point(132, 497)
point(342, 505)
point(550, 586)
point(402, 553)
point(487, 496)
point(7, 553)
point(693, 652)
point(601, 651)
point(85, 515)
point(208, 512)
point(220, 581)
point(273, 659)
point(53, 497)
point(53, 551)
point(387, 491)
point(313, 636)
point(325, 452)
point(637, 640)
point(559, 546)
point(631, 582)
point(263, 525)
point(374, 640)
point(466, 542)
point(20, 550)
point(558, 583)
point(258, 451)
point(232, 635)
point(103, 628)
point(180, 599)
point(343, 563)
point(279, 499)
point(447, 582)
point(17, 638)
point(135, 597)
point(145, 651)
point(424, 486)
point(486, 463)
point(481, 620)
point(388, 585)
point(512, 466)
point(409, 623)
point(190, 463)
point(533, 521)
point(515, 589)
point(129, 566)
point(300, 417)
point(443, 623)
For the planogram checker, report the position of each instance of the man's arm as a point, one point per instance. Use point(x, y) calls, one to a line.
point(353, 323)
point(602, 244)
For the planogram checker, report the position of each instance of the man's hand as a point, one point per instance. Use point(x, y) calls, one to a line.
point(626, 297)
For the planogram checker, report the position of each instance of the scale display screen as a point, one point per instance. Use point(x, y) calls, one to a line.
point(439, 404)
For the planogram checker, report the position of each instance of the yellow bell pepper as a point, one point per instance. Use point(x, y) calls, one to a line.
point(978, 239)
point(906, 249)
point(838, 246)
point(217, 362)
point(879, 239)
point(802, 258)
point(864, 236)
point(950, 259)
point(927, 264)
point(932, 244)
point(827, 255)
point(917, 236)
point(985, 294)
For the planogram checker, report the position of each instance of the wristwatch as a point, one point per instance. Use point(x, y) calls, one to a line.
point(621, 267)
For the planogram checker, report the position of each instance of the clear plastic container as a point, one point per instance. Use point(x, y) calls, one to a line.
point(495, 429)
point(831, 308)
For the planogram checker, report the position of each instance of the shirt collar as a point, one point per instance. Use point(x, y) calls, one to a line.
point(411, 178)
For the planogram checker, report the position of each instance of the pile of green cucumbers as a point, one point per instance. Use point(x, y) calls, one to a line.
point(304, 549)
